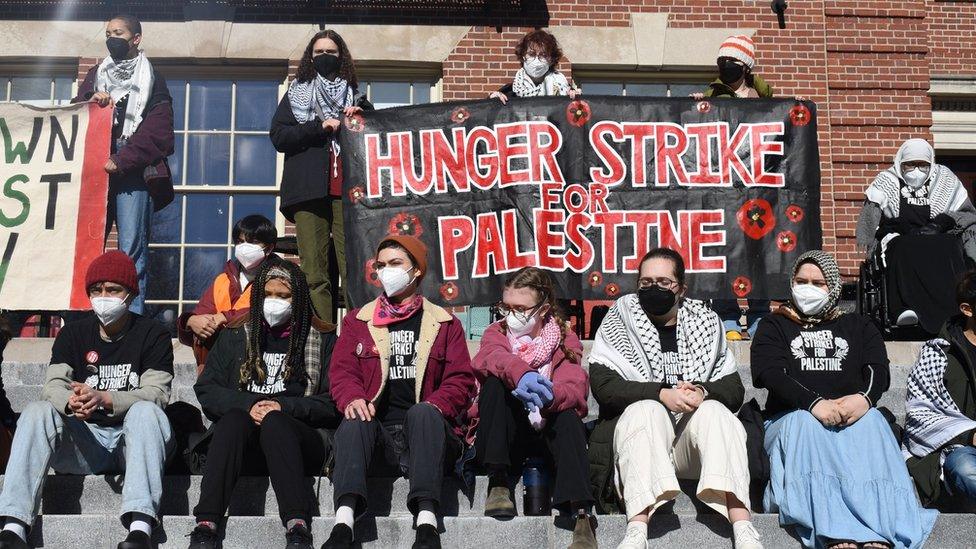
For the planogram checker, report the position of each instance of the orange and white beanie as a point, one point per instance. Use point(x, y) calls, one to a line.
point(739, 47)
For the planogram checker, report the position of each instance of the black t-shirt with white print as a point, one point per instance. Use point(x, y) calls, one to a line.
point(401, 385)
point(669, 354)
point(274, 349)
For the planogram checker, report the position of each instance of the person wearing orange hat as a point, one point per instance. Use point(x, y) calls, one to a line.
point(101, 409)
point(401, 375)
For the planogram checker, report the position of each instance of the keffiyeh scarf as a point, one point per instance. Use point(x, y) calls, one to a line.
point(945, 192)
point(319, 96)
point(828, 266)
point(129, 77)
point(554, 83)
point(537, 352)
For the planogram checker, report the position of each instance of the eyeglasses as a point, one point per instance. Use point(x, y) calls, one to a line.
point(663, 283)
point(520, 313)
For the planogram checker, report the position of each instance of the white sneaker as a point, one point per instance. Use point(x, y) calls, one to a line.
point(634, 538)
point(745, 535)
point(907, 318)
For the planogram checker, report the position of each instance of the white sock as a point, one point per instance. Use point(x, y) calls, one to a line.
point(638, 526)
point(425, 513)
point(141, 526)
point(345, 515)
point(18, 528)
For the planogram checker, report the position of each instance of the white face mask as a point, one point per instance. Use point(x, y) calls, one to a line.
point(276, 311)
point(916, 177)
point(536, 67)
point(394, 280)
point(109, 309)
point(810, 299)
point(249, 255)
point(518, 325)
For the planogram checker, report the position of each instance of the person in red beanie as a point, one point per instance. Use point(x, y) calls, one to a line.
point(401, 375)
point(101, 410)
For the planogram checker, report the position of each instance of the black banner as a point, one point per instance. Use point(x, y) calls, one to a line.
point(584, 188)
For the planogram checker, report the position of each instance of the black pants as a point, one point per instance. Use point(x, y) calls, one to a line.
point(283, 448)
point(505, 438)
point(417, 449)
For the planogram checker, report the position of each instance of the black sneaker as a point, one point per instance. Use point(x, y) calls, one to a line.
point(298, 537)
point(340, 538)
point(204, 537)
point(427, 537)
point(10, 540)
point(136, 539)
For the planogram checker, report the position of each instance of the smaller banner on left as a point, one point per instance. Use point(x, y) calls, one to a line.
point(53, 194)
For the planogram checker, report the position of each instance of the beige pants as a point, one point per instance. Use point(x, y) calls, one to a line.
point(652, 451)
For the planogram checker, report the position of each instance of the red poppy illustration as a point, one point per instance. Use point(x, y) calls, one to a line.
point(372, 277)
point(578, 113)
point(704, 106)
point(449, 291)
point(356, 123)
point(741, 286)
point(756, 218)
point(459, 115)
point(406, 224)
point(612, 290)
point(794, 213)
point(595, 279)
point(786, 241)
point(800, 115)
point(356, 194)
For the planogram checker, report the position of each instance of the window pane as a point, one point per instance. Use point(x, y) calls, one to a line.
point(208, 159)
point(249, 204)
point(166, 223)
point(31, 88)
point(176, 160)
point(206, 219)
point(647, 90)
point(177, 89)
point(254, 160)
point(390, 94)
point(684, 90)
point(200, 267)
point(62, 88)
point(164, 277)
point(167, 314)
point(256, 104)
point(210, 104)
point(421, 93)
point(603, 88)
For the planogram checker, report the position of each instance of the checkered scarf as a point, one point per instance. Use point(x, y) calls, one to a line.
point(629, 344)
point(537, 352)
point(932, 418)
point(831, 272)
point(319, 96)
point(130, 77)
point(554, 83)
point(945, 192)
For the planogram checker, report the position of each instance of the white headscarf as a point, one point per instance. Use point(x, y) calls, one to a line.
point(128, 77)
point(912, 150)
point(945, 191)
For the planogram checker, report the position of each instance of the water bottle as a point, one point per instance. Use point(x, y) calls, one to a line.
point(536, 494)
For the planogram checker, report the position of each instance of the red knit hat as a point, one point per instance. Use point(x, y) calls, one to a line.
point(113, 266)
point(414, 246)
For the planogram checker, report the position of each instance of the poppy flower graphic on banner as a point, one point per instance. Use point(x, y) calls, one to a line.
point(612, 290)
point(459, 115)
point(578, 113)
point(756, 218)
point(372, 277)
point(356, 123)
point(794, 213)
point(595, 279)
point(406, 224)
point(449, 291)
point(786, 241)
point(741, 286)
point(356, 194)
point(800, 115)
point(704, 106)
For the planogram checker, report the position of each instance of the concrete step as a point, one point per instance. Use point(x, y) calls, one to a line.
point(97, 531)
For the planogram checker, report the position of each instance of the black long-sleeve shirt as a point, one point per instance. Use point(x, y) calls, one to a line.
point(800, 366)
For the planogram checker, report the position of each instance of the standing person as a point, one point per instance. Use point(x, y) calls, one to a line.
point(101, 409)
point(533, 398)
point(229, 297)
point(538, 53)
point(836, 472)
point(304, 128)
point(668, 388)
point(266, 389)
point(402, 376)
point(142, 138)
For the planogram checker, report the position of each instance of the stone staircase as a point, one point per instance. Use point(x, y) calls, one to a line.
point(82, 511)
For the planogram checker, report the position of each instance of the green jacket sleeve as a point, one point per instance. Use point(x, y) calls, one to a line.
point(615, 394)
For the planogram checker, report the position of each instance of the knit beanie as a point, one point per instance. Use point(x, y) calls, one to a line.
point(739, 47)
point(413, 245)
point(113, 266)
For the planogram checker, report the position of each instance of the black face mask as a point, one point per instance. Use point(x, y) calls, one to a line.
point(730, 72)
point(118, 48)
point(326, 64)
point(656, 301)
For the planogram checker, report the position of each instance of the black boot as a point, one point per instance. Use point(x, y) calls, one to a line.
point(340, 538)
point(137, 539)
point(10, 540)
point(427, 537)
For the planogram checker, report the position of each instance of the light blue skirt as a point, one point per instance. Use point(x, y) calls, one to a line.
point(846, 483)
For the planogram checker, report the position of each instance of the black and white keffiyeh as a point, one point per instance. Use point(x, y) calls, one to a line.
point(319, 96)
point(629, 344)
point(554, 83)
point(933, 418)
point(128, 77)
point(945, 192)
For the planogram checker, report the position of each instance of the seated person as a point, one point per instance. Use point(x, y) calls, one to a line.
point(914, 215)
point(940, 428)
point(229, 297)
point(837, 474)
point(533, 398)
point(8, 419)
point(266, 389)
point(102, 409)
point(402, 376)
point(668, 388)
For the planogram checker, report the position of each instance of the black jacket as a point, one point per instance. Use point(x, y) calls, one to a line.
point(307, 156)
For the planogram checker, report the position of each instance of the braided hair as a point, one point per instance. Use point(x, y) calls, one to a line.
point(540, 281)
point(253, 368)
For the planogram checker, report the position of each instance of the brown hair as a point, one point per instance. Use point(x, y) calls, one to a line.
point(347, 67)
point(542, 39)
point(540, 281)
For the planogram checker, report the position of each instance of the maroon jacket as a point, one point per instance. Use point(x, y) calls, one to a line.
point(151, 143)
point(360, 363)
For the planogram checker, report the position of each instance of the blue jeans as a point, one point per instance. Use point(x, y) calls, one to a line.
point(960, 471)
point(130, 207)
